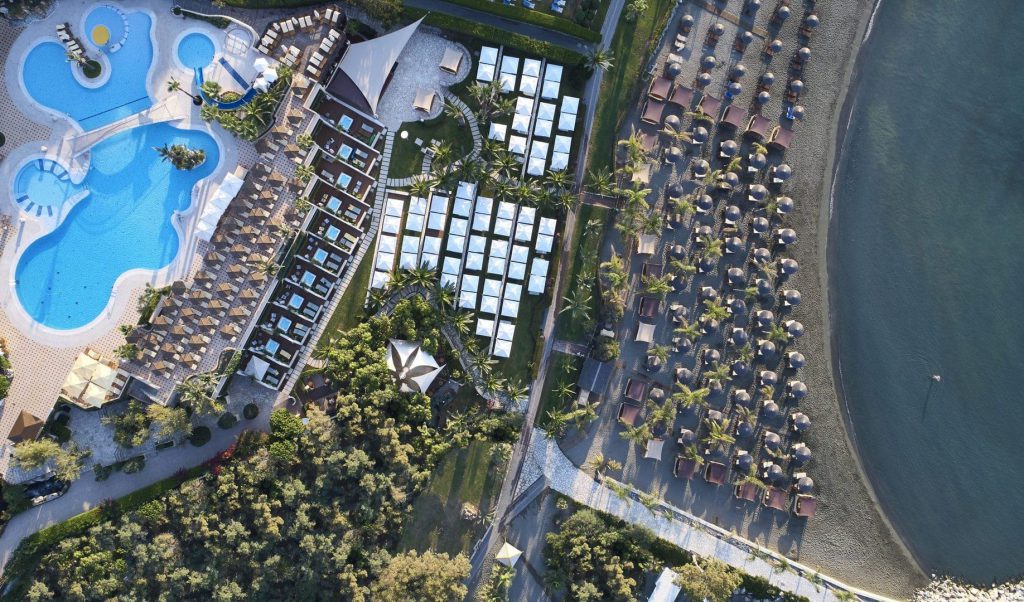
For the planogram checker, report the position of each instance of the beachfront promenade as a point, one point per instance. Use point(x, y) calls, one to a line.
point(676, 526)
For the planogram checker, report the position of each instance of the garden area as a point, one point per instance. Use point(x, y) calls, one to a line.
point(452, 513)
point(407, 156)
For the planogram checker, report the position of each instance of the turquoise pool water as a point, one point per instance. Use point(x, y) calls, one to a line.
point(64, 279)
point(41, 187)
point(195, 50)
point(49, 79)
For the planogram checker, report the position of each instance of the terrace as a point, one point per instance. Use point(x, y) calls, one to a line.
point(288, 324)
point(343, 176)
point(345, 119)
point(338, 202)
point(343, 147)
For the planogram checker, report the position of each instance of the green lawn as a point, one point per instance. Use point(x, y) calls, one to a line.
point(565, 23)
point(407, 158)
point(567, 328)
point(562, 368)
point(350, 306)
point(465, 475)
point(527, 340)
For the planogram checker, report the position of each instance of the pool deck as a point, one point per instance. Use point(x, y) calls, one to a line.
point(42, 356)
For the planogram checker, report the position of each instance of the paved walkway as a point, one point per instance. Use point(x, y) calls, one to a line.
point(570, 348)
point(511, 25)
point(681, 528)
point(87, 493)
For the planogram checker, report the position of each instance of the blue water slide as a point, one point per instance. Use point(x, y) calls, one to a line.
point(227, 106)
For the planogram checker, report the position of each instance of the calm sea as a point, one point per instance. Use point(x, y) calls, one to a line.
point(927, 278)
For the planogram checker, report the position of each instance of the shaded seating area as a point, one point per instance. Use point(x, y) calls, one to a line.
point(653, 111)
point(660, 88)
point(685, 468)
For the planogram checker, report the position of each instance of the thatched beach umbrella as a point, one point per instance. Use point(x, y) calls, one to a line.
point(708, 293)
point(736, 277)
point(788, 266)
point(763, 97)
point(805, 484)
point(795, 360)
point(700, 135)
point(794, 329)
point(732, 214)
point(804, 53)
point(703, 80)
point(718, 29)
point(796, 389)
point(812, 21)
point(784, 205)
point(704, 202)
point(781, 173)
point(686, 21)
point(733, 244)
point(178, 286)
point(673, 121)
point(800, 422)
point(728, 149)
point(700, 169)
point(711, 356)
point(782, 12)
point(763, 318)
point(801, 456)
point(756, 161)
point(709, 61)
point(776, 45)
point(709, 327)
point(738, 70)
point(770, 409)
point(739, 369)
point(760, 225)
point(730, 180)
point(790, 297)
point(787, 236)
point(744, 429)
point(674, 69)
point(739, 337)
point(706, 264)
point(757, 193)
point(657, 394)
point(683, 375)
point(767, 378)
point(741, 397)
point(675, 190)
point(764, 287)
point(673, 154)
point(716, 416)
point(775, 473)
point(762, 255)
point(743, 462)
point(772, 440)
point(766, 349)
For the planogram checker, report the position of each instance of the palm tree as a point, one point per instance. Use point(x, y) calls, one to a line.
point(713, 247)
point(759, 148)
point(751, 479)
point(657, 286)
point(444, 294)
point(564, 202)
point(304, 173)
point(634, 147)
point(718, 373)
point(745, 353)
point(76, 57)
point(676, 133)
point(734, 165)
point(128, 351)
point(557, 422)
point(713, 310)
point(304, 141)
point(700, 115)
point(565, 390)
point(600, 181)
point(681, 268)
point(422, 276)
point(211, 89)
point(197, 393)
point(150, 297)
point(660, 352)
point(577, 304)
point(174, 85)
point(744, 414)
point(718, 436)
point(689, 398)
point(778, 334)
point(266, 267)
point(599, 464)
point(515, 389)
point(461, 322)
point(420, 186)
point(751, 293)
point(181, 156)
point(454, 112)
point(600, 58)
point(767, 391)
point(558, 180)
point(690, 332)
point(683, 205)
point(492, 384)
point(690, 453)
point(637, 434)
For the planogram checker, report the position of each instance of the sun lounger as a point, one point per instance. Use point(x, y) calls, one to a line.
point(333, 34)
point(680, 42)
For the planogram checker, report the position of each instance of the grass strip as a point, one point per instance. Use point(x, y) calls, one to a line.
point(533, 17)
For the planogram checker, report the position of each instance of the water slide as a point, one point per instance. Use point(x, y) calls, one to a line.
point(227, 106)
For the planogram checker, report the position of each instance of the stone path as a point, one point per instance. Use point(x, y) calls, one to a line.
point(569, 348)
point(681, 528)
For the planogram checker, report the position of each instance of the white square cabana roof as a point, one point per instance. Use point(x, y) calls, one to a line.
point(516, 271)
point(485, 72)
point(544, 243)
point(536, 285)
point(559, 161)
point(570, 104)
point(477, 243)
point(539, 149)
point(521, 123)
point(547, 225)
point(553, 72)
point(509, 309)
point(484, 327)
point(524, 106)
point(502, 348)
point(474, 261)
point(549, 89)
point(542, 128)
point(462, 207)
point(506, 210)
point(452, 265)
point(562, 144)
point(535, 167)
point(517, 144)
point(546, 110)
point(498, 132)
point(528, 85)
point(566, 122)
point(489, 305)
point(531, 67)
point(489, 55)
point(506, 330)
point(466, 190)
point(503, 228)
point(509, 64)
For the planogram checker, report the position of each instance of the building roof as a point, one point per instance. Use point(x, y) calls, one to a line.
point(26, 428)
point(365, 67)
point(594, 375)
point(665, 590)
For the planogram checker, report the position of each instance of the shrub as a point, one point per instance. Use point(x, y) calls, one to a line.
point(5, 386)
point(250, 441)
point(200, 436)
point(102, 472)
point(227, 420)
point(250, 411)
point(607, 349)
point(131, 427)
point(133, 465)
point(283, 450)
point(284, 426)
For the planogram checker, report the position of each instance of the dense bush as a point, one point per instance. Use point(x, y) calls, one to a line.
point(250, 411)
point(133, 465)
point(131, 427)
point(200, 436)
point(227, 420)
point(102, 472)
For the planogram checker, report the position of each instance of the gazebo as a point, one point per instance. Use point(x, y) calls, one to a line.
point(451, 61)
point(93, 381)
point(26, 428)
point(424, 100)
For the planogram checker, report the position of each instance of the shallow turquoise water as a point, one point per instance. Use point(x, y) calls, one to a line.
point(64, 279)
point(49, 80)
point(195, 50)
point(927, 279)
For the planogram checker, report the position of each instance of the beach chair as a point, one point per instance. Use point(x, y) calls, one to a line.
point(739, 45)
point(680, 42)
point(712, 39)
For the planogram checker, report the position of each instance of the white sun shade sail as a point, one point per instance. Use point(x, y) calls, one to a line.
point(436, 221)
point(531, 67)
point(449, 280)
point(368, 64)
point(394, 207)
point(418, 205)
point(410, 244)
point(517, 144)
point(521, 123)
point(547, 225)
point(542, 128)
point(502, 348)
point(535, 167)
point(524, 106)
point(484, 327)
point(432, 244)
point(409, 261)
point(489, 55)
point(498, 132)
point(391, 224)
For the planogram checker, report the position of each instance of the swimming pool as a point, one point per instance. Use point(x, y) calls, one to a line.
point(196, 50)
point(41, 186)
point(106, 22)
point(64, 279)
point(49, 79)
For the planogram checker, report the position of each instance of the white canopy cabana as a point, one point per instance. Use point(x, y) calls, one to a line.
point(220, 200)
point(521, 123)
point(547, 225)
point(654, 449)
point(570, 104)
point(524, 106)
point(451, 61)
point(535, 167)
point(559, 161)
point(466, 190)
point(562, 144)
point(506, 330)
point(412, 367)
point(485, 72)
point(489, 55)
point(528, 85)
point(644, 332)
point(539, 149)
point(546, 110)
point(531, 67)
point(646, 244)
point(489, 305)
point(502, 348)
point(484, 327)
point(536, 285)
point(517, 144)
point(498, 132)
point(542, 128)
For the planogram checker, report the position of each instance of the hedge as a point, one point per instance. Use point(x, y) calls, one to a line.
point(250, 411)
point(227, 420)
point(200, 436)
point(533, 17)
point(494, 35)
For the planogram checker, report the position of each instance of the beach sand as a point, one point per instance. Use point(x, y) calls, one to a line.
point(849, 539)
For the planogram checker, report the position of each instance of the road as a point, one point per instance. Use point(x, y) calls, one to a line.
point(504, 503)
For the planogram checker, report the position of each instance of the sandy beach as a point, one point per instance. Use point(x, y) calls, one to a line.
point(850, 538)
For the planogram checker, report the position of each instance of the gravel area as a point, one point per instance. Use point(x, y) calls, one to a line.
point(420, 68)
point(849, 538)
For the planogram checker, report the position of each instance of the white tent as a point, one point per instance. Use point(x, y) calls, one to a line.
point(549, 90)
point(458, 226)
point(527, 215)
point(506, 330)
point(520, 253)
point(432, 244)
point(449, 280)
point(531, 67)
point(451, 265)
point(498, 132)
point(516, 271)
point(509, 309)
point(559, 161)
point(542, 128)
point(456, 244)
point(484, 204)
point(644, 332)
point(553, 73)
point(489, 55)
point(665, 590)
point(521, 123)
point(499, 248)
point(477, 243)
point(466, 190)
point(474, 261)
point(547, 225)
point(524, 106)
point(524, 232)
point(544, 243)
point(492, 287)
point(368, 64)
point(485, 72)
point(388, 244)
point(503, 227)
point(536, 285)
point(489, 305)
point(391, 224)
point(470, 283)
point(513, 292)
point(546, 110)
point(562, 144)
point(654, 449)
point(380, 279)
point(535, 166)
point(570, 104)
point(502, 348)
point(508, 81)
point(506, 210)
point(462, 207)
point(566, 121)
point(539, 149)
point(528, 85)
point(539, 267)
point(467, 300)
point(485, 327)
point(517, 144)
point(384, 261)
point(412, 367)
point(509, 64)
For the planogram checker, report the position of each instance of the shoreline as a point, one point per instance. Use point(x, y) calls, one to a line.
point(831, 313)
